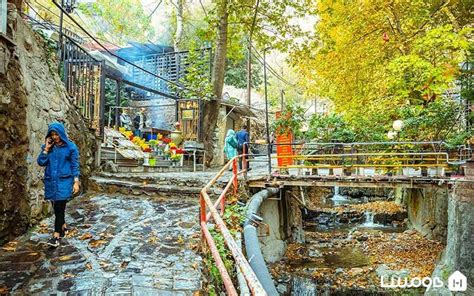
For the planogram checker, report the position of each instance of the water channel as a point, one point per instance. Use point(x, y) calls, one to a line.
point(349, 244)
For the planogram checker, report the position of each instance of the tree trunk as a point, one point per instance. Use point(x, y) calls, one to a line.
point(179, 25)
point(18, 3)
point(211, 108)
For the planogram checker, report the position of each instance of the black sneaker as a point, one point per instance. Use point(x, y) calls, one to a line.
point(53, 242)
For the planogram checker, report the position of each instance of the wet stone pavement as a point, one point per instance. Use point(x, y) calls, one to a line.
point(116, 246)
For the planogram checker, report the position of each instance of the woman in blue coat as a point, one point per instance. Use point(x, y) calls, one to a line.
point(60, 156)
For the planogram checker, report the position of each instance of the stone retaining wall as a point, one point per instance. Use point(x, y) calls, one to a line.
point(31, 96)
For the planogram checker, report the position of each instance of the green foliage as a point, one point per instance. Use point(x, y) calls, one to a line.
point(373, 57)
point(121, 20)
point(329, 128)
point(236, 72)
point(234, 216)
point(291, 119)
point(197, 77)
point(438, 120)
point(110, 96)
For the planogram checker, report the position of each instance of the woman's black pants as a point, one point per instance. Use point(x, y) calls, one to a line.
point(59, 210)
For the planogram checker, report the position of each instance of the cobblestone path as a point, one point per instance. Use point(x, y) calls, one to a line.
point(117, 246)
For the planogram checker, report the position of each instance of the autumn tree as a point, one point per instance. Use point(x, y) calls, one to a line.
point(373, 57)
point(231, 21)
point(121, 20)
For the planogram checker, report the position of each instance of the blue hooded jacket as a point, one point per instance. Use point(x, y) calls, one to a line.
point(62, 166)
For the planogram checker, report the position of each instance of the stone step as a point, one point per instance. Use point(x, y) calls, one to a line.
point(185, 179)
point(148, 188)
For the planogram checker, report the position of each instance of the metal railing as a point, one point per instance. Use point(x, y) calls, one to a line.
point(382, 157)
point(206, 204)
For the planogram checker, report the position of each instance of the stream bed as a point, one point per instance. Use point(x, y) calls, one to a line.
point(349, 245)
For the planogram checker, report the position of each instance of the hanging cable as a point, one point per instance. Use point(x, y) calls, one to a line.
point(116, 56)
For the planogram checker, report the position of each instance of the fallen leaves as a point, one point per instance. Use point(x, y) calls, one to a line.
point(379, 207)
point(124, 264)
point(10, 246)
point(65, 258)
point(96, 243)
point(85, 236)
point(69, 275)
point(72, 233)
point(89, 266)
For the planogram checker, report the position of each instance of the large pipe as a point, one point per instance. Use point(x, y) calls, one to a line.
point(254, 254)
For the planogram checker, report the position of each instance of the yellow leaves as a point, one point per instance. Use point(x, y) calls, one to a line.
point(85, 236)
point(68, 275)
point(379, 207)
point(65, 258)
point(89, 266)
point(124, 265)
point(10, 247)
point(96, 243)
point(72, 233)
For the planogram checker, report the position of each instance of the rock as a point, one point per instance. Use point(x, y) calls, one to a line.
point(323, 219)
point(282, 289)
point(362, 238)
point(339, 270)
point(356, 271)
point(385, 271)
point(315, 253)
point(410, 232)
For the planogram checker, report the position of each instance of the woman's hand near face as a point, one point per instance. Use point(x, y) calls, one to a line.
point(48, 144)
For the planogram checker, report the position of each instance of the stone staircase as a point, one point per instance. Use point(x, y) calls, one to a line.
point(172, 184)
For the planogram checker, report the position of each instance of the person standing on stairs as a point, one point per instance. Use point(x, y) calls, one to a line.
point(60, 157)
point(230, 145)
point(243, 141)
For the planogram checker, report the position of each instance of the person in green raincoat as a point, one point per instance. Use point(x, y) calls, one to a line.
point(230, 145)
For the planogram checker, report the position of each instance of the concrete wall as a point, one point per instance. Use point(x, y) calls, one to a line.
point(272, 241)
point(459, 252)
point(428, 211)
point(31, 96)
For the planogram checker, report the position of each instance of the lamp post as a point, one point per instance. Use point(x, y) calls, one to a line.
point(266, 111)
point(397, 127)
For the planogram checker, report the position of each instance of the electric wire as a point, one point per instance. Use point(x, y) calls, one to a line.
point(116, 56)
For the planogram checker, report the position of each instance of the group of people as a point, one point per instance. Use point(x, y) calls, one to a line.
point(139, 122)
point(237, 144)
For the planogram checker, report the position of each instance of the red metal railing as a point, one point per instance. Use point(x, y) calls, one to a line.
point(205, 202)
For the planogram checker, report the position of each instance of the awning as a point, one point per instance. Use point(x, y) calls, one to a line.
point(240, 109)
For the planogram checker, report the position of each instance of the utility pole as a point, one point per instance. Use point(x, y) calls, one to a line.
point(282, 100)
point(266, 112)
point(249, 76)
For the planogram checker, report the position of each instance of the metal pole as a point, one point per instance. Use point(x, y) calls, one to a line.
point(266, 112)
point(117, 104)
point(249, 77)
point(60, 54)
point(282, 102)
